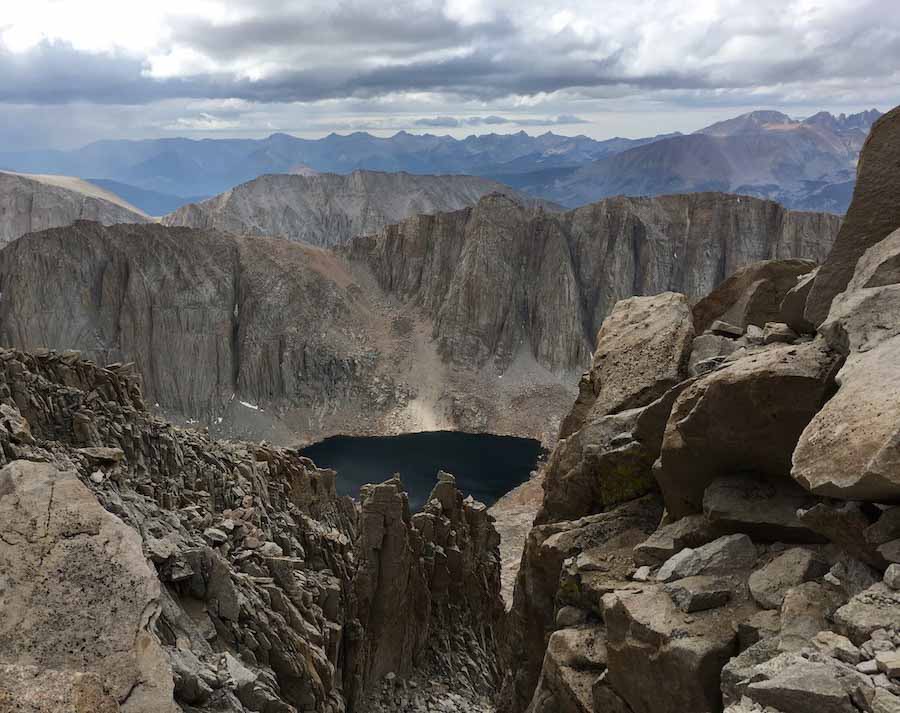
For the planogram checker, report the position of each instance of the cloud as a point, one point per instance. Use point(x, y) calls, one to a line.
point(452, 64)
point(494, 120)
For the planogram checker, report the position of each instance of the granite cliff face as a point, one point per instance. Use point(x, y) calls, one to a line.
point(269, 338)
point(329, 209)
point(33, 203)
point(720, 528)
point(499, 278)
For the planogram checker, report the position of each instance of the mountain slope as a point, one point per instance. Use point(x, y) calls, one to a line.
point(766, 154)
point(328, 209)
point(33, 202)
point(150, 202)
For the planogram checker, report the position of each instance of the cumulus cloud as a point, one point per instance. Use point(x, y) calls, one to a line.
point(448, 63)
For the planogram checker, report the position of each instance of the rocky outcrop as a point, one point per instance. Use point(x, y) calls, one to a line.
point(753, 295)
point(713, 603)
point(873, 214)
point(149, 568)
point(555, 277)
point(851, 449)
point(32, 203)
point(329, 209)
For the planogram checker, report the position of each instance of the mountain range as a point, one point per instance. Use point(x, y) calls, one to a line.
point(806, 164)
point(329, 209)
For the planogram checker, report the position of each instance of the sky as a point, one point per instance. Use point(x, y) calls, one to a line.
point(74, 71)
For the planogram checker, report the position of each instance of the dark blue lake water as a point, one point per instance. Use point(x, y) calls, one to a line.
point(485, 466)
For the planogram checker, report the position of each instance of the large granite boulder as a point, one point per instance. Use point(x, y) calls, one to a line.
point(873, 214)
point(851, 449)
point(744, 417)
point(78, 594)
point(611, 437)
point(752, 295)
point(642, 351)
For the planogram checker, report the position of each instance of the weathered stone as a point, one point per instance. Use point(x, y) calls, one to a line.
point(642, 351)
point(778, 332)
point(806, 610)
point(892, 576)
point(744, 417)
point(647, 640)
point(575, 658)
point(693, 594)
point(30, 689)
point(761, 625)
point(878, 607)
point(706, 347)
point(793, 306)
point(764, 508)
point(751, 295)
point(837, 646)
point(803, 688)
point(721, 328)
point(78, 592)
point(850, 449)
point(667, 540)
point(770, 584)
point(888, 663)
point(725, 554)
point(844, 524)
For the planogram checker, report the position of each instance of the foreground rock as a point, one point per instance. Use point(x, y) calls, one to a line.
point(873, 214)
point(727, 421)
point(263, 591)
point(752, 295)
point(79, 596)
point(851, 448)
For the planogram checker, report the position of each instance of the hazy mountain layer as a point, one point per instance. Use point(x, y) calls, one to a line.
point(29, 203)
point(806, 164)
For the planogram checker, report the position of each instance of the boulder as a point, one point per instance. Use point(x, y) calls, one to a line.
point(698, 593)
point(778, 332)
point(690, 531)
point(642, 351)
point(769, 584)
point(720, 328)
point(78, 592)
point(575, 659)
point(878, 607)
point(752, 295)
point(793, 306)
point(726, 554)
point(607, 461)
point(851, 449)
point(837, 647)
point(844, 524)
point(873, 214)
point(806, 610)
point(744, 417)
point(764, 508)
point(803, 688)
point(651, 644)
point(708, 347)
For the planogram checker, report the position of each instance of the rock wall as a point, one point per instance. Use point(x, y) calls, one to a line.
point(554, 277)
point(772, 580)
point(148, 568)
point(329, 209)
point(28, 205)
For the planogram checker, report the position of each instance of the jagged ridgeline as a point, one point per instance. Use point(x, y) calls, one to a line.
point(479, 319)
point(720, 522)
